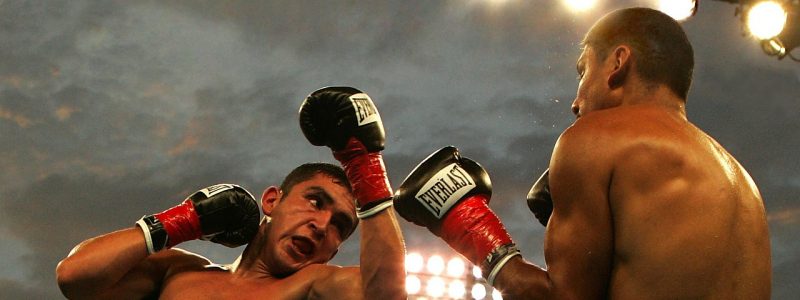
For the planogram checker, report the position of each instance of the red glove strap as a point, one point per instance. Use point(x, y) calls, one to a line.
point(181, 223)
point(366, 172)
point(473, 230)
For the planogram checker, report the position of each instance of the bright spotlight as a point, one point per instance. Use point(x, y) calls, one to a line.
point(476, 272)
point(580, 5)
point(496, 295)
point(435, 264)
point(766, 19)
point(435, 287)
point(456, 289)
point(455, 267)
point(414, 262)
point(413, 284)
point(478, 291)
point(678, 9)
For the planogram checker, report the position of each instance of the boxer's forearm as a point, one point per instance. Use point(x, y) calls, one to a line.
point(382, 257)
point(522, 280)
point(99, 263)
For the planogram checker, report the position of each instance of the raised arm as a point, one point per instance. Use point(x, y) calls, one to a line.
point(578, 243)
point(132, 263)
point(346, 120)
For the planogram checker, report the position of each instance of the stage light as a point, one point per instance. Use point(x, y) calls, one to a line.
point(413, 284)
point(414, 262)
point(435, 265)
point(435, 287)
point(456, 289)
point(476, 272)
point(455, 267)
point(478, 291)
point(678, 9)
point(766, 19)
point(580, 5)
point(496, 295)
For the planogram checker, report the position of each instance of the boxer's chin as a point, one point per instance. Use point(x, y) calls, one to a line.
point(287, 263)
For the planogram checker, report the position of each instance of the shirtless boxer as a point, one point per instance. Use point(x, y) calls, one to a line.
point(645, 205)
point(306, 219)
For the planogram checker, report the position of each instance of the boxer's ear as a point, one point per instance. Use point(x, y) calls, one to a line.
point(270, 199)
point(621, 63)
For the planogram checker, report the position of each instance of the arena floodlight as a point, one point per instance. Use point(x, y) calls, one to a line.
point(456, 289)
point(414, 262)
point(455, 267)
point(435, 264)
point(678, 9)
point(413, 285)
point(476, 272)
point(580, 5)
point(776, 24)
point(496, 295)
point(766, 19)
point(478, 291)
point(435, 287)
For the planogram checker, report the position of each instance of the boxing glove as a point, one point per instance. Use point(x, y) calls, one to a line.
point(449, 195)
point(346, 120)
point(539, 200)
point(226, 214)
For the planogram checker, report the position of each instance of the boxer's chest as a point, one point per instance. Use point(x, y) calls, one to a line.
point(219, 285)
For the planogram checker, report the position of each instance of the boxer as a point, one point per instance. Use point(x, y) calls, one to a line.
point(638, 202)
point(286, 256)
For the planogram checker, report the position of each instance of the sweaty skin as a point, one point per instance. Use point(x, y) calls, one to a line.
point(668, 210)
point(286, 260)
point(645, 204)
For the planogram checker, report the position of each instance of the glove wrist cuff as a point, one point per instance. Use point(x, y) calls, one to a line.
point(496, 260)
point(155, 236)
point(373, 208)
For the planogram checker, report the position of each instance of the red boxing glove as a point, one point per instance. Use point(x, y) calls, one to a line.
point(473, 229)
point(366, 173)
point(181, 223)
point(449, 194)
point(225, 214)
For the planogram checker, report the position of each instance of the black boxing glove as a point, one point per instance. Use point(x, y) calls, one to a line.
point(346, 120)
point(226, 214)
point(331, 116)
point(449, 195)
point(539, 200)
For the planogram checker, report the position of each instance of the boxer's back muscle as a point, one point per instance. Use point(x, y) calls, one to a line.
point(688, 220)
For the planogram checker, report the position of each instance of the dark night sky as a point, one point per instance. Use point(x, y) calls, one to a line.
point(110, 110)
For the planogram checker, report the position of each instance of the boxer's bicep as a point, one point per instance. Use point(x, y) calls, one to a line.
point(579, 238)
point(147, 278)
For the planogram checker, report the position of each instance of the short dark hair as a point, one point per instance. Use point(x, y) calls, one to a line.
point(662, 52)
point(308, 170)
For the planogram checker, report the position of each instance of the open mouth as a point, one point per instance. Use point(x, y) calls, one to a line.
point(303, 245)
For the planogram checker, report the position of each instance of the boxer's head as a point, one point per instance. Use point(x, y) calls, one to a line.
point(640, 42)
point(312, 213)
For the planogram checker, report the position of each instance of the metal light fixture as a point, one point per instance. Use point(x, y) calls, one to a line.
point(775, 23)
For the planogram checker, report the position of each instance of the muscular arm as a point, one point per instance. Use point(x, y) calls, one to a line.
point(579, 239)
point(382, 257)
point(381, 274)
point(117, 265)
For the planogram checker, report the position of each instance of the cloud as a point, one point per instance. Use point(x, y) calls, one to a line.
point(111, 110)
